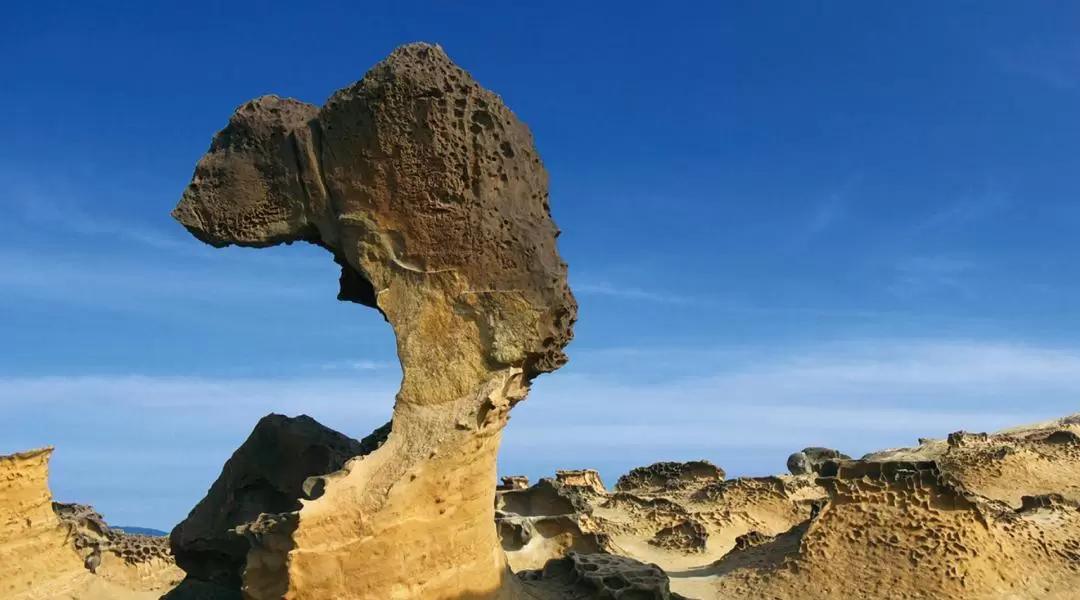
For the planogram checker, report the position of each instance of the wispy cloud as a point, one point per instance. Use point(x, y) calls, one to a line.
point(827, 213)
point(358, 365)
point(745, 413)
point(105, 282)
point(55, 207)
point(1054, 64)
point(966, 211)
point(632, 293)
point(825, 216)
point(55, 212)
point(923, 274)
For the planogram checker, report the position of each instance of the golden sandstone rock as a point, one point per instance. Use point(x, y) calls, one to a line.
point(31, 535)
point(428, 192)
point(50, 550)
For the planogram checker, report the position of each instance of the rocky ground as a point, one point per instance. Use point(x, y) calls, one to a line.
point(975, 516)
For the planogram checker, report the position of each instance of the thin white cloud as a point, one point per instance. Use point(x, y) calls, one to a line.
point(1050, 63)
point(358, 365)
point(631, 293)
point(53, 207)
point(825, 216)
point(123, 284)
point(752, 410)
point(966, 211)
point(920, 274)
point(861, 395)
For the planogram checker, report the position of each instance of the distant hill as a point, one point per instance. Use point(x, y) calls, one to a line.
point(140, 530)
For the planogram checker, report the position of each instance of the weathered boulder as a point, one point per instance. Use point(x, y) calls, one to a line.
point(665, 476)
point(429, 194)
point(266, 474)
point(810, 460)
point(799, 464)
point(513, 482)
point(587, 479)
point(601, 576)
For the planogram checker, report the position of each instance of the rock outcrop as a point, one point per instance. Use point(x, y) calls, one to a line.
point(972, 517)
point(56, 550)
point(429, 194)
point(277, 466)
point(810, 460)
point(32, 539)
point(545, 521)
point(670, 476)
point(602, 576)
point(966, 517)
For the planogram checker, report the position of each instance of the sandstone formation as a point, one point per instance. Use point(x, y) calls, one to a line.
point(973, 517)
point(544, 522)
point(428, 193)
point(52, 550)
point(31, 535)
point(268, 473)
point(602, 577)
point(669, 476)
point(673, 516)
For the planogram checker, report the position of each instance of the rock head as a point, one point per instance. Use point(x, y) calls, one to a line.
point(429, 194)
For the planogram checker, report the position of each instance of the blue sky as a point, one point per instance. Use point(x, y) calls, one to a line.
point(845, 223)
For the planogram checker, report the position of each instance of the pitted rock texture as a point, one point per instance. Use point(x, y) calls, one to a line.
point(588, 480)
point(601, 577)
point(266, 474)
point(547, 498)
point(430, 196)
point(417, 177)
point(689, 536)
point(54, 550)
point(902, 523)
point(669, 476)
point(513, 482)
point(914, 516)
point(549, 519)
point(1031, 460)
point(88, 531)
point(679, 516)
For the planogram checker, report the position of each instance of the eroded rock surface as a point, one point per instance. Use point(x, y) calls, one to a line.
point(545, 521)
point(601, 577)
point(810, 460)
point(970, 517)
point(429, 194)
point(266, 474)
point(32, 540)
point(56, 550)
point(666, 476)
point(935, 521)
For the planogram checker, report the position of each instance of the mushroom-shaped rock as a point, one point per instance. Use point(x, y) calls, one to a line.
point(429, 194)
